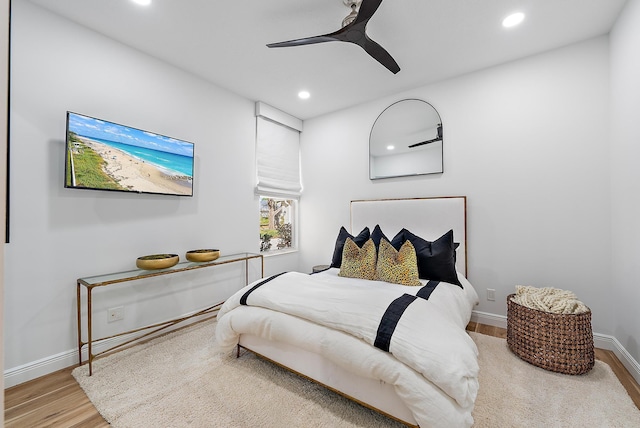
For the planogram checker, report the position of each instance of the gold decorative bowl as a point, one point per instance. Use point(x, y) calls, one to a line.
point(157, 261)
point(207, 255)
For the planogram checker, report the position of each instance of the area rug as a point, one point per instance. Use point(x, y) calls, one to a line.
point(182, 380)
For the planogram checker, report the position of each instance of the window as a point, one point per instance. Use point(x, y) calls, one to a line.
point(277, 220)
point(278, 177)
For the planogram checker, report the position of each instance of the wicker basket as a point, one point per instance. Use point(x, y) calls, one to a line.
point(556, 342)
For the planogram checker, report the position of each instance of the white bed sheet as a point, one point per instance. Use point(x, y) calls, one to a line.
point(438, 383)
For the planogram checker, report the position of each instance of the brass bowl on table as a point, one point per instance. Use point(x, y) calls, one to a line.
point(157, 261)
point(199, 256)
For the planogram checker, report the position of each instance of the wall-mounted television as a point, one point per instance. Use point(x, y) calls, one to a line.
point(102, 155)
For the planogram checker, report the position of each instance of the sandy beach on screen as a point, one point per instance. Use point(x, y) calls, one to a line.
point(132, 173)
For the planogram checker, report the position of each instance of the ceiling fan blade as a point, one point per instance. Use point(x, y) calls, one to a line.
point(425, 142)
point(303, 41)
point(379, 54)
point(367, 9)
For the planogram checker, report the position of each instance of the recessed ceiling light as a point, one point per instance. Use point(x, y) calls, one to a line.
point(513, 20)
point(391, 147)
point(142, 2)
point(304, 95)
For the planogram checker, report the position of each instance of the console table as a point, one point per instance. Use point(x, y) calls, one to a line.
point(122, 277)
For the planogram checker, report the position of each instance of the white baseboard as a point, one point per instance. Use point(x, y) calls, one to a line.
point(489, 319)
point(601, 341)
point(610, 343)
point(26, 372)
point(45, 366)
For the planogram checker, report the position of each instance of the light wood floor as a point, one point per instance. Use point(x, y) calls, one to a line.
point(56, 400)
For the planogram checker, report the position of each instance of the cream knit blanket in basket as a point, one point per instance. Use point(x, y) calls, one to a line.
point(549, 299)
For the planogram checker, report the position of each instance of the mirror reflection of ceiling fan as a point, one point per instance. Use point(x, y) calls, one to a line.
point(353, 31)
point(439, 138)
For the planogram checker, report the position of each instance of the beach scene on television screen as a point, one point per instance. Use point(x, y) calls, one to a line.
point(105, 155)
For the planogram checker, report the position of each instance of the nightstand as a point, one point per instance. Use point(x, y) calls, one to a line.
point(320, 268)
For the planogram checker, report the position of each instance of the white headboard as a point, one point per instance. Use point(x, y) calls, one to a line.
point(428, 218)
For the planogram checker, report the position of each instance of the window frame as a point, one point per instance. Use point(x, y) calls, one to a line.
point(293, 220)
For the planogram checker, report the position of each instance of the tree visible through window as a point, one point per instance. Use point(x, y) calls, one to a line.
point(276, 224)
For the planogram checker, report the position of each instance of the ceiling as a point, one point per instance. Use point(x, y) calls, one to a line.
point(224, 41)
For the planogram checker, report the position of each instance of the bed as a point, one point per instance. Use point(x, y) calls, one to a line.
point(399, 349)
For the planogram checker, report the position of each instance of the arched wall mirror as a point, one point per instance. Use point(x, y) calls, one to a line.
point(406, 139)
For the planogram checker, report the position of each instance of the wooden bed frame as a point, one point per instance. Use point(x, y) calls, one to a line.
point(425, 217)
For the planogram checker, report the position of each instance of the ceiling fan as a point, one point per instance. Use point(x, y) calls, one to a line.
point(353, 31)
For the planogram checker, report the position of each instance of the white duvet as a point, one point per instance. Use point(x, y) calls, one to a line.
point(432, 361)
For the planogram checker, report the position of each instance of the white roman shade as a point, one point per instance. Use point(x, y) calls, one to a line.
point(277, 157)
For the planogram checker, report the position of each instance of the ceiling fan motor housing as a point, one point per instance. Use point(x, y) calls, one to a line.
point(354, 5)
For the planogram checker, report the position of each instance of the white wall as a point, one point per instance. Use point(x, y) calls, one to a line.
point(4, 71)
point(526, 142)
point(625, 173)
point(59, 235)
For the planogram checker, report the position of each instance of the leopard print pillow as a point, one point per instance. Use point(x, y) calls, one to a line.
point(398, 267)
point(358, 262)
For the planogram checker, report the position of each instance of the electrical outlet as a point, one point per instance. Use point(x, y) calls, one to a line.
point(491, 294)
point(115, 314)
